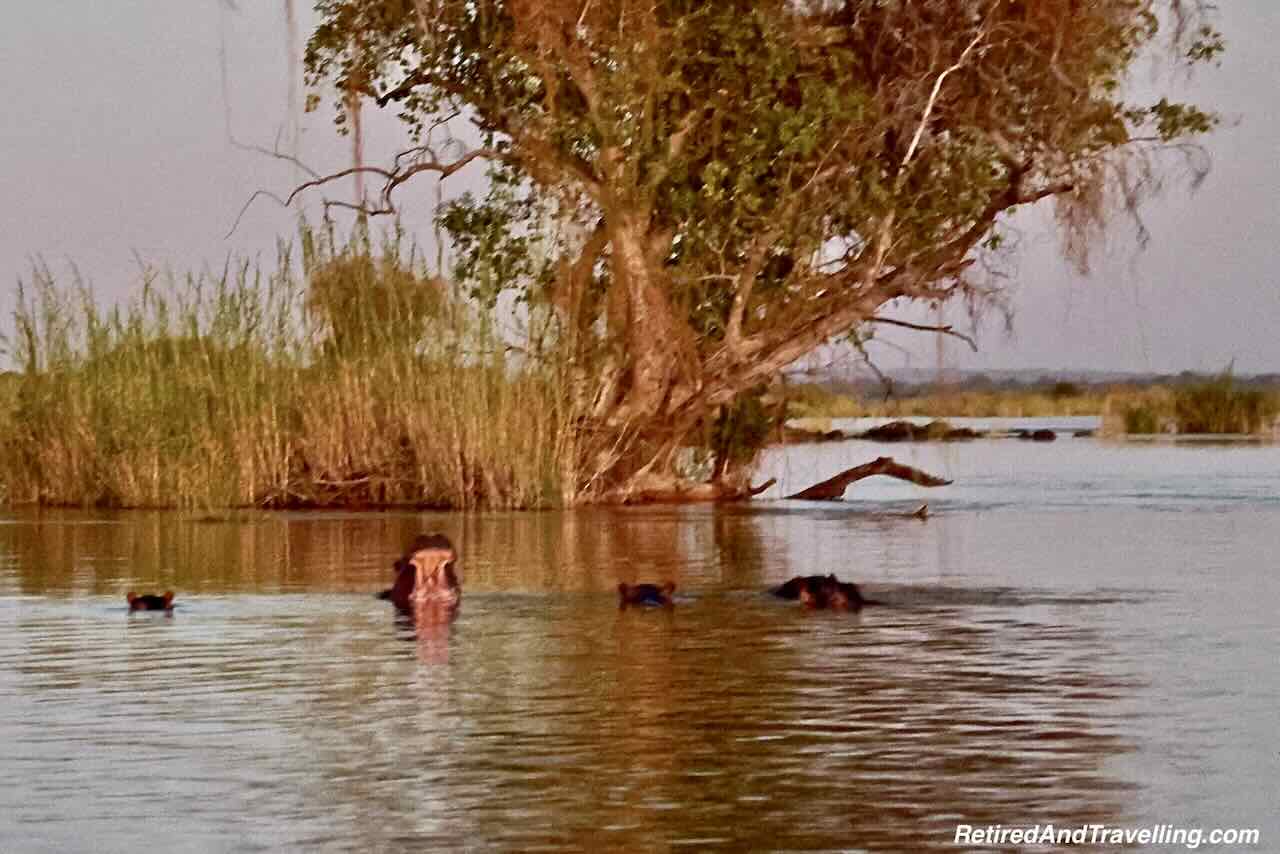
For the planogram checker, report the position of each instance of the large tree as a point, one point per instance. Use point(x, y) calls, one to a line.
point(704, 192)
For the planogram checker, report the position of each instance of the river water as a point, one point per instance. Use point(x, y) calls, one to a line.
point(1080, 633)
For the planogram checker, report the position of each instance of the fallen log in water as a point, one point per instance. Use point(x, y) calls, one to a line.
point(833, 489)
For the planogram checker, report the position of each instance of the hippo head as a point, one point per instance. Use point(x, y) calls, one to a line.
point(150, 602)
point(838, 597)
point(830, 592)
point(646, 594)
point(430, 561)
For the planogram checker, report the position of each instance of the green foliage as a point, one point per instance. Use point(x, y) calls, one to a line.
point(741, 429)
point(1172, 120)
point(496, 240)
point(1207, 46)
point(794, 121)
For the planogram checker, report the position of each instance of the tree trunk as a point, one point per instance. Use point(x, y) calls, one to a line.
point(654, 337)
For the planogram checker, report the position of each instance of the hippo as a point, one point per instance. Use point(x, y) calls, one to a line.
point(835, 595)
point(645, 594)
point(150, 601)
point(812, 583)
point(425, 576)
point(824, 591)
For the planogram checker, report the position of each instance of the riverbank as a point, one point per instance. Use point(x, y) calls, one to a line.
point(1218, 405)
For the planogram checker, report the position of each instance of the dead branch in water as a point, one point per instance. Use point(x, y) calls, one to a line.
point(833, 489)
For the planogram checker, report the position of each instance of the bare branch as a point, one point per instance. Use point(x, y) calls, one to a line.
point(945, 330)
point(933, 98)
point(275, 153)
point(393, 178)
point(245, 208)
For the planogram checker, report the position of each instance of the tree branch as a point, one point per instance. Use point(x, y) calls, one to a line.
point(832, 489)
point(393, 177)
point(402, 91)
point(945, 330)
point(675, 147)
point(244, 209)
point(933, 98)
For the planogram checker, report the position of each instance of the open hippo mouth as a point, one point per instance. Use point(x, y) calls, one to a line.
point(434, 578)
point(425, 576)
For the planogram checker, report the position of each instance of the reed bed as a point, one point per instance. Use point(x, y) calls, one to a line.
point(347, 377)
point(1212, 407)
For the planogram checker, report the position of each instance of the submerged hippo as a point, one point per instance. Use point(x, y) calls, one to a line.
point(824, 591)
point(150, 602)
point(645, 594)
point(425, 576)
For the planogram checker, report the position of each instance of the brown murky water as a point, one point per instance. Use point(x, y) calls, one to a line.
point(1081, 633)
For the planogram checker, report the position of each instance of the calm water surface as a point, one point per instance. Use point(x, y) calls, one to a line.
point(1082, 632)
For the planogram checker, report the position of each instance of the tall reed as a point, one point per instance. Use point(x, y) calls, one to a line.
point(1219, 406)
point(346, 377)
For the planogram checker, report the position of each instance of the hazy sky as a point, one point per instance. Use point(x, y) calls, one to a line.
point(115, 146)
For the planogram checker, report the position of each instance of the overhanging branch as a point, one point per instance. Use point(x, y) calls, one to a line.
point(393, 178)
point(946, 329)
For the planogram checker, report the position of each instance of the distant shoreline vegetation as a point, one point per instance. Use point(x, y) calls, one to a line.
point(1185, 404)
point(352, 379)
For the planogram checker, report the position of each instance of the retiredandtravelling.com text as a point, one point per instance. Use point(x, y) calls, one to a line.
point(1164, 835)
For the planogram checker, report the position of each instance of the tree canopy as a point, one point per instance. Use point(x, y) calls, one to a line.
point(703, 193)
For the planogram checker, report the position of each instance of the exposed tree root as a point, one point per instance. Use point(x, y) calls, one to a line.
point(833, 489)
point(653, 489)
